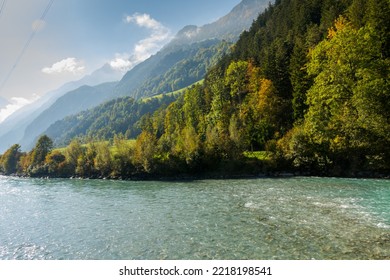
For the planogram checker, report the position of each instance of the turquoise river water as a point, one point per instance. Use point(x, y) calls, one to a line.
point(292, 218)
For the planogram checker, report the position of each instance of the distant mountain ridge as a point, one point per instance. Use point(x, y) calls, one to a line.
point(12, 130)
point(83, 98)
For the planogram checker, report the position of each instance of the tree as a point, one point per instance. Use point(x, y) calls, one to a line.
point(86, 162)
point(122, 165)
point(9, 160)
point(145, 151)
point(56, 163)
point(299, 80)
point(188, 146)
point(73, 151)
point(103, 162)
point(236, 79)
point(349, 102)
point(42, 149)
point(357, 13)
point(378, 14)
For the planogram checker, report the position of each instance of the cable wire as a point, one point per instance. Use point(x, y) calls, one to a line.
point(26, 45)
point(2, 6)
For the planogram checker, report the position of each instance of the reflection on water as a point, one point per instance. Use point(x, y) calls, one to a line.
point(296, 218)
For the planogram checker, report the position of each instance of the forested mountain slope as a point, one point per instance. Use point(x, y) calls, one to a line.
point(189, 52)
point(80, 99)
point(309, 83)
point(179, 64)
point(118, 116)
point(305, 90)
point(171, 69)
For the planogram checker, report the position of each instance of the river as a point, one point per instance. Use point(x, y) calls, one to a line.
point(287, 218)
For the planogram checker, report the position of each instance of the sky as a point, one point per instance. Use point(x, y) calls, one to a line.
point(46, 43)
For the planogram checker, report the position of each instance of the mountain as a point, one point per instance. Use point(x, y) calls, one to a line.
point(272, 105)
point(118, 116)
point(179, 64)
point(12, 130)
point(188, 41)
point(228, 27)
point(172, 69)
point(182, 62)
point(83, 98)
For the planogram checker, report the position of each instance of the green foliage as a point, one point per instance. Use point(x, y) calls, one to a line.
point(42, 148)
point(103, 161)
point(197, 59)
point(72, 152)
point(347, 124)
point(145, 152)
point(299, 91)
point(117, 116)
point(122, 155)
point(176, 66)
point(56, 164)
point(9, 160)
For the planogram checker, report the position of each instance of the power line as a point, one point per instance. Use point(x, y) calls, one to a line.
point(26, 45)
point(2, 6)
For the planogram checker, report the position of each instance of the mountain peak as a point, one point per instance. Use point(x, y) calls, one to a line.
point(228, 27)
point(188, 31)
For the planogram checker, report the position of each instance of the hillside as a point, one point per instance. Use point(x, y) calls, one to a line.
point(12, 130)
point(190, 52)
point(228, 27)
point(117, 116)
point(176, 66)
point(195, 60)
point(306, 90)
point(75, 101)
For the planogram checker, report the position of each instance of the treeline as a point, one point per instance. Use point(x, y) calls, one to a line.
point(308, 84)
point(117, 116)
point(94, 160)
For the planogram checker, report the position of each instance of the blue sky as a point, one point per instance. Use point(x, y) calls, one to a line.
point(76, 37)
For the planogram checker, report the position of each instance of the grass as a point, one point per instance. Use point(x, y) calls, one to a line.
point(259, 155)
point(173, 93)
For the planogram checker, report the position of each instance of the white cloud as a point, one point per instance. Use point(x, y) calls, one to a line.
point(145, 47)
point(15, 104)
point(121, 62)
point(67, 65)
point(144, 20)
point(192, 33)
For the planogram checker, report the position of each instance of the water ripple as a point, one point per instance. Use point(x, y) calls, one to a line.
point(296, 218)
